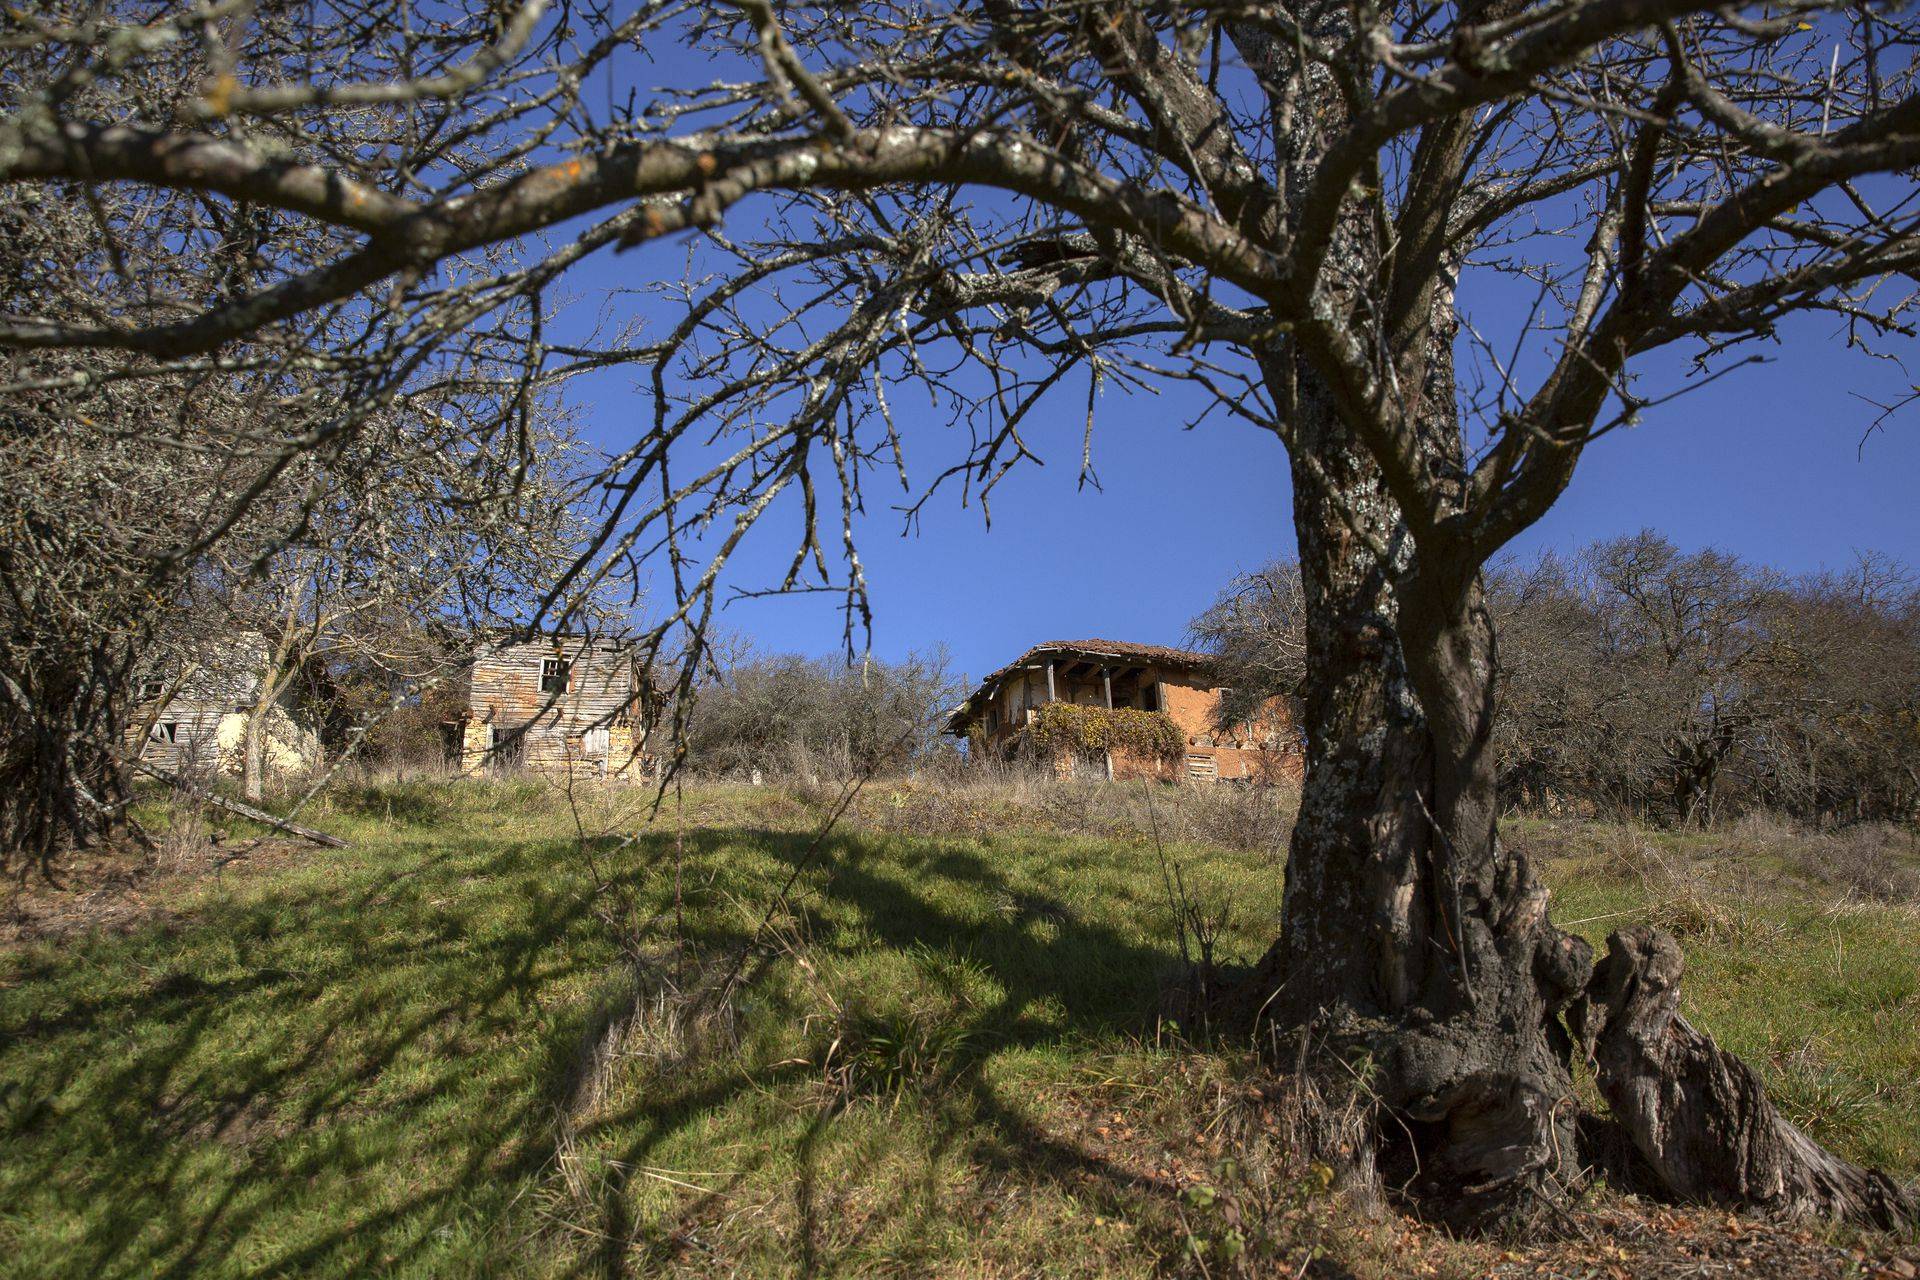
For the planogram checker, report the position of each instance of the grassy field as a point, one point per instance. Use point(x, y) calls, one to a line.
point(484, 1040)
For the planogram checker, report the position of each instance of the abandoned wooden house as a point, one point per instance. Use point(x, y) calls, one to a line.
point(191, 715)
point(1127, 711)
point(553, 704)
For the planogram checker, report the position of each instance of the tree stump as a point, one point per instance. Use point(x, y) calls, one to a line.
point(1697, 1113)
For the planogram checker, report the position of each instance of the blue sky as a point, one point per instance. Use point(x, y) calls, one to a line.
point(1767, 463)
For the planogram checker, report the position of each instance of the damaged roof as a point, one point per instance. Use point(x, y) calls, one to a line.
point(1123, 650)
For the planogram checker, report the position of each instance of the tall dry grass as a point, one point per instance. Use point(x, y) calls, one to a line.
point(979, 799)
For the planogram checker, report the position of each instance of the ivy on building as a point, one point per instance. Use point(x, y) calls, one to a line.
point(1063, 727)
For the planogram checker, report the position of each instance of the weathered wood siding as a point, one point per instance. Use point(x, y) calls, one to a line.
point(222, 683)
point(553, 730)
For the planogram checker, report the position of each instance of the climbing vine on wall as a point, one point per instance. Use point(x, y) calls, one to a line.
point(1063, 727)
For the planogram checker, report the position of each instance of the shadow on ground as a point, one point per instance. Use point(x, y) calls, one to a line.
point(359, 1073)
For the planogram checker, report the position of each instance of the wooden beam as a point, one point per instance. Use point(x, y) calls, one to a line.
point(246, 811)
point(1106, 676)
point(1051, 695)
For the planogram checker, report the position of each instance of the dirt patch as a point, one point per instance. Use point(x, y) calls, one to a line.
point(1635, 1240)
point(118, 888)
point(1206, 1183)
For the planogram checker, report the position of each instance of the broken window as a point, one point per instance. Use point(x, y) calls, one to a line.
point(151, 689)
point(507, 753)
point(554, 674)
point(165, 731)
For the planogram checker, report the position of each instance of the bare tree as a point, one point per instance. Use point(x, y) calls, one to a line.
point(781, 712)
point(1685, 637)
point(1555, 696)
point(1256, 631)
point(1671, 685)
point(1845, 740)
point(147, 512)
point(1286, 203)
point(420, 536)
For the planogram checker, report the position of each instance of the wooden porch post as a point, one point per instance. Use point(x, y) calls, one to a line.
point(1106, 678)
point(1051, 696)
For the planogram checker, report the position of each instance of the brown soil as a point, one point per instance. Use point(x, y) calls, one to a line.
point(117, 888)
point(1607, 1236)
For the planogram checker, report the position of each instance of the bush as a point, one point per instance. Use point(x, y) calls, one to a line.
point(1064, 728)
point(794, 716)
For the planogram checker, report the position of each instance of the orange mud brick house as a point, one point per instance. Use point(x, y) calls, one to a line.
point(1125, 711)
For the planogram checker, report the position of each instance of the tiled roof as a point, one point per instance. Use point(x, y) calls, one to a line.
point(1079, 649)
point(1121, 649)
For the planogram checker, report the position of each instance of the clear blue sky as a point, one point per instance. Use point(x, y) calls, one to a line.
point(1767, 463)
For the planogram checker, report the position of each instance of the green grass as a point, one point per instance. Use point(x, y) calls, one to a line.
point(432, 1055)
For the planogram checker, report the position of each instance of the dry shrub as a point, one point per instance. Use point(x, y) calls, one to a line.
point(1299, 1164)
point(1704, 892)
point(911, 809)
point(1682, 895)
point(1868, 861)
point(994, 796)
point(1249, 819)
point(1875, 861)
point(186, 834)
point(888, 1053)
point(914, 1035)
point(1549, 842)
point(184, 840)
point(1763, 828)
point(654, 1016)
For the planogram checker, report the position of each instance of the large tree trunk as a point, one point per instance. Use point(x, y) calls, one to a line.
point(61, 784)
point(1699, 1114)
point(1416, 952)
point(1410, 938)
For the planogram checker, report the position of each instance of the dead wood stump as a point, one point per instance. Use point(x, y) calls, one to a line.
point(1698, 1114)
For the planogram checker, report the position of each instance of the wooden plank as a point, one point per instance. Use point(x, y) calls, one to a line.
point(247, 811)
point(1051, 695)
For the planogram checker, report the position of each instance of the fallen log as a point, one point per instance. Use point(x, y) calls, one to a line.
point(1698, 1114)
point(246, 811)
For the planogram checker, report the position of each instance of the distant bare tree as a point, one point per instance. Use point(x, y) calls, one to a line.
point(1256, 631)
point(1550, 734)
point(1287, 204)
point(148, 513)
point(779, 712)
point(1844, 741)
point(433, 539)
point(1684, 639)
point(93, 500)
point(1672, 685)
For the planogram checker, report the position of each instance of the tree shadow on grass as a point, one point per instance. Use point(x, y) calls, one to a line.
point(1065, 980)
point(185, 1089)
point(320, 1079)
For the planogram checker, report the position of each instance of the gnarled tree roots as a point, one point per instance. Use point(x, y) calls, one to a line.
point(1487, 1114)
point(1697, 1113)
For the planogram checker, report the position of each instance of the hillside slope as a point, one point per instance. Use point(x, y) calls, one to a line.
point(495, 1037)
